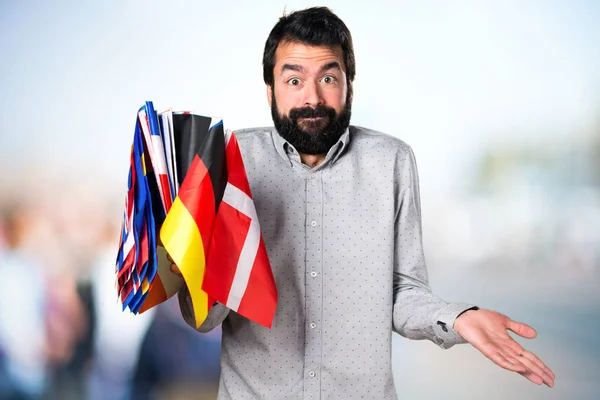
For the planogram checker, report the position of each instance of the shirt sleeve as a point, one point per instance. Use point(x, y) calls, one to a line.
point(217, 313)
point(418, 313)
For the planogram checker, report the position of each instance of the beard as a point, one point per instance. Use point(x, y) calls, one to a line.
point(312, 136)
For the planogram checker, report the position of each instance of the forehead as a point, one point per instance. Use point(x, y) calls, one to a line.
point(307, 55)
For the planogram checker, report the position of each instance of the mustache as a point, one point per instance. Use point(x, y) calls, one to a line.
point(309, 112)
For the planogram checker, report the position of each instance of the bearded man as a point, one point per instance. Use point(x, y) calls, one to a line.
point(340, 215)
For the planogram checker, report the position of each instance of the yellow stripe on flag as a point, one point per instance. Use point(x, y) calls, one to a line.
point(145, 285)
point(181, 238)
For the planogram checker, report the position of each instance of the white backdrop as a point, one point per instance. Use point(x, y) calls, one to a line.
point(446, 76)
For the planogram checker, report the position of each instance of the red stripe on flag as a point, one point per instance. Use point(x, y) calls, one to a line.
point(143, 255)
point(126, 290)
point(229, 235)
point(260, 299)
point(131, 191)
point(236, 173)
point(164, 183)
point(127, 263)
point(196, 194)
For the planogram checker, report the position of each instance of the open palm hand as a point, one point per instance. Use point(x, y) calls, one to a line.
point(487, 331)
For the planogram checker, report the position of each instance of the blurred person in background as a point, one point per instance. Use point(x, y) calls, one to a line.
point(358, 271)
point(175, 362)
point(4, 379)
point(118, 334)
point(41, 315)
point(3, 243)
point(23, 304)
point(68, 326)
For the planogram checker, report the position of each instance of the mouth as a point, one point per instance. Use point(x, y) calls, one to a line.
point(311, 118)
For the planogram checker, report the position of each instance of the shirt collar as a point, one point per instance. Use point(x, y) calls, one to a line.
point(287, 151)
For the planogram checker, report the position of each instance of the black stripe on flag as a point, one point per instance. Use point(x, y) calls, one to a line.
point(193, 137)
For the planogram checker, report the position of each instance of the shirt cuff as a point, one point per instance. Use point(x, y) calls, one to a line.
point(444, 324)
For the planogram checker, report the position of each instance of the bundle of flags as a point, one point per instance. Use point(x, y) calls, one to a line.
point(188, 198)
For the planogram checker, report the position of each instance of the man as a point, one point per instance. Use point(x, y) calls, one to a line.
point(339, 210)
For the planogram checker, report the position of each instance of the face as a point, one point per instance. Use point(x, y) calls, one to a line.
point(310, 101)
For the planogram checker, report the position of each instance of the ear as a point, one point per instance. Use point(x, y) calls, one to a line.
point(350, 89)
point(269, 94)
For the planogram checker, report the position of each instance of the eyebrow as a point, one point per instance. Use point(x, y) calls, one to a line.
point(330, 65)
point(292, 67)
point(300, 68)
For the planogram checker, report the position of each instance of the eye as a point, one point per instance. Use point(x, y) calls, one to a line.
point(294, 81)
point(328, 79)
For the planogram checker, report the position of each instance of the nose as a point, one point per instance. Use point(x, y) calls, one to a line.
point(312, 94)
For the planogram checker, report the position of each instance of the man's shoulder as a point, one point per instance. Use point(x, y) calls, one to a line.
point(371, 137)
point(253, 133)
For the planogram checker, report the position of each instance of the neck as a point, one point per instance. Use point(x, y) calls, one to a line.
point(312, 160)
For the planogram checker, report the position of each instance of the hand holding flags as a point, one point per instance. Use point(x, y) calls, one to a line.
point(187, 177)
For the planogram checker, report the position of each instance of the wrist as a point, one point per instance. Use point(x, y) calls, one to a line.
point(462, 314)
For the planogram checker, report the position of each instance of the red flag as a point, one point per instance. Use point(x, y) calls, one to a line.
point(238, 273)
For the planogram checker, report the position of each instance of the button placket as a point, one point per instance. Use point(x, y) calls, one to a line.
point(313, 307)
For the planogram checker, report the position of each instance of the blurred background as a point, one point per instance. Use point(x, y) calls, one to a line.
point(500, 101)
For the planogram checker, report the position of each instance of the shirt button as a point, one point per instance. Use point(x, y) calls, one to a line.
point(443, 325)
point(313, 274)
point(313, 325)
point(314, 223)
point(311, 374)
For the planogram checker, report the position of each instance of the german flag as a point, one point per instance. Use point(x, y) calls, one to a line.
point(187, 230)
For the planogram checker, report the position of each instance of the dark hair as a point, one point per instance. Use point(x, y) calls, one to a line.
point(316, 26)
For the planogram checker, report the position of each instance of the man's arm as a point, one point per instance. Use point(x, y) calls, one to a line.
point(418, 313)
point(217, 313)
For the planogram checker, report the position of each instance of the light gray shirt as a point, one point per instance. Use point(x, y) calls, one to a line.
point(345, 246)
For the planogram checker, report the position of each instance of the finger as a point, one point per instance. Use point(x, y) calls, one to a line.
point(523, 370)
point(175, 269)
point(537, 370)
point(534, 368)
point(521, 329)
point(513, 364)
point(509, 364)
point(508, 359)
point(533, 358)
